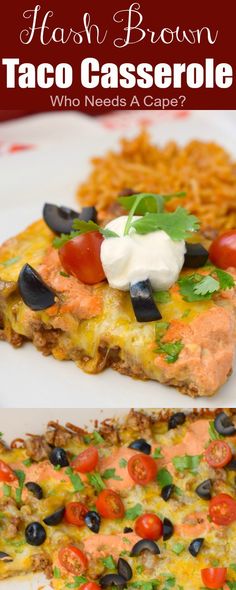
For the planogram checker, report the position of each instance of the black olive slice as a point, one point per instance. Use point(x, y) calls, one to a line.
point(88, 214)
point(34, 291)
point(35, 488)
point(35, 534)
point(195, 256)
point(231, 466)
point(93, 521)
point(176, 420)
point(143, 303)
point(113, 580)
point(55, 518)
point(168, 529)
point(124, 569)
point(59, 219)
point(145, 545)
point(204, 489)
point(5, 557)
point(195, 546)
point(127, 529)
point(59, 457)
point(224, 425)
point(167, 491)
point(141, 445)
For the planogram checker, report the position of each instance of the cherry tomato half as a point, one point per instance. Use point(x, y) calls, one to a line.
point(148, 526)
point(6, 473)
point(75, 513)
point(222, 509)
point(218, 454)
point(222, 251)
point(110, 505)
point(142, 468)
point(90, 586)
point(80, 257)
point(73, 560)
point(86, 461)
point(214, 577)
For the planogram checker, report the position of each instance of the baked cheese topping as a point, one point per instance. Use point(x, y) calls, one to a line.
point(73, 504)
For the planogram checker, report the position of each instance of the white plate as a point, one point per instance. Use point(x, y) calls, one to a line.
point(64, 143)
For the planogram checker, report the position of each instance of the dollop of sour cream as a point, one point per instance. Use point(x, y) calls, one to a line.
point(135, 257)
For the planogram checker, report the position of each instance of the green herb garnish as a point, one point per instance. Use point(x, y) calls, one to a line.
point(75, 479)
point(78, 580)
point(134, 512)
point(109, 563)
point(10, 261)
point(6, 490)
point(157, 453)
point(171, 350)
point(187, 462)
point(196, 287)
point(21, 479)
point(97, 437)
point(214, 435)
point(162, 296)
point(111, 474)
point(56, 572)
point(178, 225)
point(147, 202)
point(164, 477)
point(177, 548)
point(96, 481)
point(27, 462)
point(123, 463)
point(82, 227)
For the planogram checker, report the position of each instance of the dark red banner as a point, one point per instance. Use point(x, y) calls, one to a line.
point(96, 56)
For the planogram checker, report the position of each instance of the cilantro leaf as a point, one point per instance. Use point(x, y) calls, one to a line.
point(111, 474)
point(147, 202)
point(75, 480)
point(160, 329)
point(82, 227)
point(225, 279)
point(164, 477)
point(171, 350)
point(207, 285)
point(56, 572)
point(187, 286)
point(96, 481)
point(187, 462)
point(6, 490)
point(177, 225)
point(134, 512)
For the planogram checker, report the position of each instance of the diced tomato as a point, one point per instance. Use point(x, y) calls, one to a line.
point(110, 505)
point(222, 509)
point(6, 473)
point(80, 257)
point(214, 577)
point(90, 586)
point(86, 461)
point(142, 468)
point(73, 560)
point(222, 251)
point(218, 453)
point(75, 513)
point(148, 526)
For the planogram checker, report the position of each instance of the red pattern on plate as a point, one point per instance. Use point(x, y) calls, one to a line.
point(12, 148)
